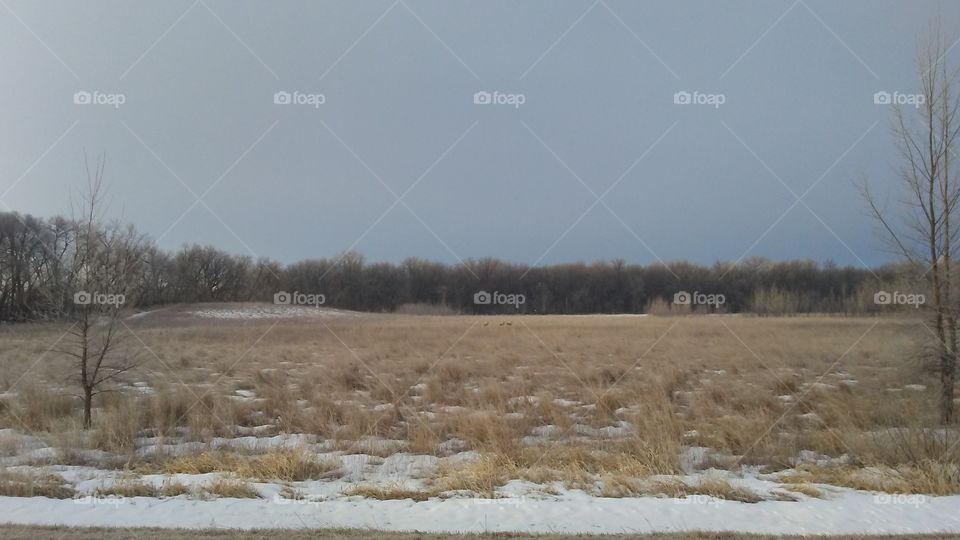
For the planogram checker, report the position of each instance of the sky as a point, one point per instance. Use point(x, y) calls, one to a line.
point(537, 132)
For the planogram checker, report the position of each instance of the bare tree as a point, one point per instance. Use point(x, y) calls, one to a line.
point(926, 130)
point(104, 272)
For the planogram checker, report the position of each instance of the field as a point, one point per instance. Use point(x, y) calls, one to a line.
point(658, 423)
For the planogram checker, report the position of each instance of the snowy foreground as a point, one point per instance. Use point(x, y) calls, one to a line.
point(847, 512)
point(521, 506)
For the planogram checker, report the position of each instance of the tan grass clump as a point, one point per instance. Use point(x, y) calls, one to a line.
point(38, 408)
point(127, 487)
point(284, 465)
point(384, 493)
point(291, 493)
point(230, 488)
point(710, 487)
point(32, 484)
point(929, 477)
point(481, 476)
point(173, 488)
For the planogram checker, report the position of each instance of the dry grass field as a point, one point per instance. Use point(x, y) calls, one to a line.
point(615, 406)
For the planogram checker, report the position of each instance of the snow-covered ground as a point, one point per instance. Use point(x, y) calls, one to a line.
point(521, 506)
point(845, 512)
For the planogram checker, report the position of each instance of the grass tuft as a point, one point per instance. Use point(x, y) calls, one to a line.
point(31, 484)
point(384, 493)
point(284, 465)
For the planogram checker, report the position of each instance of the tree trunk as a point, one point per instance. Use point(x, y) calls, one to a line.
point(948, 366)
point(87, 407)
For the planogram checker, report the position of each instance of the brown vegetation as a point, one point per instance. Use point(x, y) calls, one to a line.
point(586, 401)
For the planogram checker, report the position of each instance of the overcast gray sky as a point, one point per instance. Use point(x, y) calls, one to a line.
point(598, 119)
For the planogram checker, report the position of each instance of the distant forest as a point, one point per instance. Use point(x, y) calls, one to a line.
point(40, 273)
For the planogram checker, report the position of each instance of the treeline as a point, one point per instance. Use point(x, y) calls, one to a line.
point(39, 274)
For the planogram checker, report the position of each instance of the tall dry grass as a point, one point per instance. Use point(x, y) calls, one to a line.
point(609, 397)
